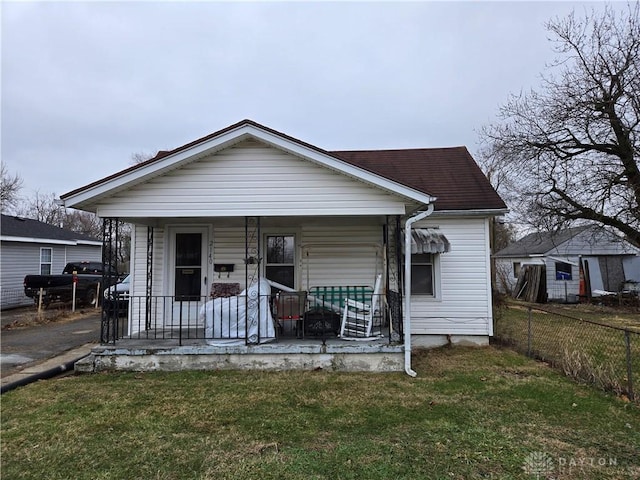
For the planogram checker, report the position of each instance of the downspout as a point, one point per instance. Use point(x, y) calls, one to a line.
point(407, 287)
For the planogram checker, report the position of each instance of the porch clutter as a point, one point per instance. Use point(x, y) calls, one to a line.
point(228, 321)
point(290, 311)
point(357, 318)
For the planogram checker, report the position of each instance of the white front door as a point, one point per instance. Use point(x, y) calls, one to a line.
point(188, 275)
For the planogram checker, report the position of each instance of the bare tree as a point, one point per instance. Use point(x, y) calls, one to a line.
point(43, 207)
point(569, 152)
point(141, 157)
point(10, 186)
point(83, 222)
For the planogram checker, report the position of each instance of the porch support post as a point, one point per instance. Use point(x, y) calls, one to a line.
point(252, 237)
point(149, 291)
point(400, 276)
point(109, 319)
point(391, 295)
point(407, 286)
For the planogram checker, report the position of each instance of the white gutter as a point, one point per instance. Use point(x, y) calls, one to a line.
point(407, 287)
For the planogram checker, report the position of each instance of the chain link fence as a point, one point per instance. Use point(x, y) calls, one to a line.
point(14, 297)
point(603, 355)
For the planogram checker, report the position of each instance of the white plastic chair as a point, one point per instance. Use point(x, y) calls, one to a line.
point(357, 317)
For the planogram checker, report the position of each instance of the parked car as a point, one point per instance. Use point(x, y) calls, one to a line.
point(117, 296)
point(86, 275)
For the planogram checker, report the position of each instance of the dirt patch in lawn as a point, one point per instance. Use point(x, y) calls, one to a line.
point(29, 316)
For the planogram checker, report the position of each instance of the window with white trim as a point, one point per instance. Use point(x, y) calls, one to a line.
point(423, 279)
point(46, 259)
point(280, 266)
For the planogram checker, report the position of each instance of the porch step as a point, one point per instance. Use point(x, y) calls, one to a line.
point(85, 365)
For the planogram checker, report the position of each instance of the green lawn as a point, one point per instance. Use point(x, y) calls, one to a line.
point(470, 413)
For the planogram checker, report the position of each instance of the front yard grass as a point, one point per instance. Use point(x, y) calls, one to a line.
point(471, 413)
point(587, 342)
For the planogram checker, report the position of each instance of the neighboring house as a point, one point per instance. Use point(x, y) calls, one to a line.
point(33, 247)
point(248, 202)
point(609, 262)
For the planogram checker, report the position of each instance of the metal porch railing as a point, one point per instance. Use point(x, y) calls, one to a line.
point(251, 320)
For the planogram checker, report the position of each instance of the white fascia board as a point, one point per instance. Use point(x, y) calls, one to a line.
point(89, 242)
point(235, 136)
point(280, 212)
point(6, 238)
point(563, 260)
point(471, 213)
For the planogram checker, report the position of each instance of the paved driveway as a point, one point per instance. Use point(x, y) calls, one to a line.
point(24, 346)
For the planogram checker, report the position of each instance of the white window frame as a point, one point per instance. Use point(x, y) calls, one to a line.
point(49, 263)
point(435, 277)
point(282, 233)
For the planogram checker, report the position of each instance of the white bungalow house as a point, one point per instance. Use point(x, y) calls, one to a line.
point(248, 205)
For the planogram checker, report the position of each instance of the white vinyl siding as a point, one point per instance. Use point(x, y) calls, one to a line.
point(83, 253)
point(341, 255)
point(326, 256)
point(463, 305)
point(251, 179)
point(138, 285)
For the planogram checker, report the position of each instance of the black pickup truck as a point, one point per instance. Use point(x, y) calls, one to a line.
point(86, 275)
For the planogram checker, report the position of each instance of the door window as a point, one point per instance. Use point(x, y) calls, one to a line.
point(188, 269)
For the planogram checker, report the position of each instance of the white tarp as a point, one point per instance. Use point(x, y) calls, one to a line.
point(226, 319)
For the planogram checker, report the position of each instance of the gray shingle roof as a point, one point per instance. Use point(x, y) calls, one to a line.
point(539, 243)
point(29, 228)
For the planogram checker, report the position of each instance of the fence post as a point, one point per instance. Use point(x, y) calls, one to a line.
point(529, 333)
point(40, 299)
point(627, 341)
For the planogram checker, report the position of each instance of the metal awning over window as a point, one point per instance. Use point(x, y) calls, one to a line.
point(428, 240)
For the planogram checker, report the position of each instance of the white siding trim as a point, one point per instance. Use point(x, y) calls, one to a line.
point(6, 238)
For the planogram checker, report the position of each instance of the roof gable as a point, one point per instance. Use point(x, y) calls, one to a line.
point(447, 176)
point(251, 178)
point(17, 228)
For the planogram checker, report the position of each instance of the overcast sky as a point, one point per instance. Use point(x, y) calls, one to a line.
point(85, 85)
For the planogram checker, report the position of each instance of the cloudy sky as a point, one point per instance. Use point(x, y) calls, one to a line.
point(85, 84)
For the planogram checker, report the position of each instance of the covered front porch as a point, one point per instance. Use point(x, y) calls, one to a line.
point(301, 323)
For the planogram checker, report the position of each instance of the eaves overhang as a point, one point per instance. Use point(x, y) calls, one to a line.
point(51, 241)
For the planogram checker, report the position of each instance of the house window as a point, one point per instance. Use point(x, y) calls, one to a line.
point(563, 271)
point(516, 269)
point(422, 274)
point(280, 266)
point(46, 255)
